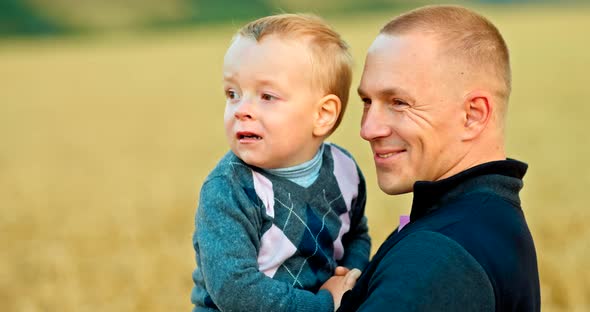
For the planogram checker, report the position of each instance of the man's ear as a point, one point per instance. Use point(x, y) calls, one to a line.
point(326, 115)
point(478, 108)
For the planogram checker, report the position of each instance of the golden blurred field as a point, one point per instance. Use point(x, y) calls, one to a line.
point(105, 141)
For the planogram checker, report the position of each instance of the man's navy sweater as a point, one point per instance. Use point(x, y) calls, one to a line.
point(466, 248)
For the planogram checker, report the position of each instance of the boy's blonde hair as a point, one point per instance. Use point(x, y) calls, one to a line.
point(465, 35)
point(331, 60)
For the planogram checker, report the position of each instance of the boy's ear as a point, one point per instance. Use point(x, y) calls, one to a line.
point(326, 115)
point(478, 108)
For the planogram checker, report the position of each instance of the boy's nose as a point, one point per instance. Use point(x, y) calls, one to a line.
point(244, 110)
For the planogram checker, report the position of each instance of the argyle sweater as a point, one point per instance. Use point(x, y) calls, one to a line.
point(265, 243)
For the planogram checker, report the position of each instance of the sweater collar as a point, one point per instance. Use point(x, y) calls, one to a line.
point(303, 174)
point(503, 177)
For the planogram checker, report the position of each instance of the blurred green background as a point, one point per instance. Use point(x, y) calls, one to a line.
point(111, 117)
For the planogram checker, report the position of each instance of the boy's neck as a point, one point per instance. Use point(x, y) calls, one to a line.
point(303, 174)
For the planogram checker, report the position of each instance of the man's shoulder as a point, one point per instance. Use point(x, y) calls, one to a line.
point(427, 269)
point(489, 222)
point(427, 247)
point(423, 250)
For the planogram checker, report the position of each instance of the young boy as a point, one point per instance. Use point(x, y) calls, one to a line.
point(283, 209)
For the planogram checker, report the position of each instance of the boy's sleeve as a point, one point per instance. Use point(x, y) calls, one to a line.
point(357, 243)
point(226, 241)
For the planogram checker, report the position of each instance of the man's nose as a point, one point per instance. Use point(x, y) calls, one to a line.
point(375, 124)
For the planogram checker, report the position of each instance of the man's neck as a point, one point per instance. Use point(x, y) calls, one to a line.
point(476, 155)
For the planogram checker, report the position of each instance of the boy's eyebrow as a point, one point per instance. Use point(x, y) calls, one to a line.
point(228, 76)
point(266, 82)
point(260, 81)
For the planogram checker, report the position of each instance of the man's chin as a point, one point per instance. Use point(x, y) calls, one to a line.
point(393, 189)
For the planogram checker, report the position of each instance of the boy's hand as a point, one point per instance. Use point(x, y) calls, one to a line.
point(341, 271)
point(342, 281)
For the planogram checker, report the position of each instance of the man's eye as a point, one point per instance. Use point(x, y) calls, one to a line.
point(398, 102)
point(366, 101)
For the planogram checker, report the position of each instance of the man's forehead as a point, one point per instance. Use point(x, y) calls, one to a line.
point(407, 54)
point(398, 64)
point(384, 43)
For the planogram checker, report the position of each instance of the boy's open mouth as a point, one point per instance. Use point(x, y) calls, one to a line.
point(248, 136)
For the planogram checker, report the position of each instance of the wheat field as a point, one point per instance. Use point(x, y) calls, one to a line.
point(104, 143)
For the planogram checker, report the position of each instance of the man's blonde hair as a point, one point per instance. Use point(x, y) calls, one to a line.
point(464, 35)
point(331, 59)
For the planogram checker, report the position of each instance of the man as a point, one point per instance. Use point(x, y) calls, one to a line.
point(435, 88)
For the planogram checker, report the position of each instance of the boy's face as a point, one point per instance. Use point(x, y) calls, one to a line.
point(270, 102)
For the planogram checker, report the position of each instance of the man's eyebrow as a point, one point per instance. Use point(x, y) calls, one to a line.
point(360, 92)
point(393, 91)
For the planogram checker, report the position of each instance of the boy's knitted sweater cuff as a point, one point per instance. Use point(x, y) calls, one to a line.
point(322, 301)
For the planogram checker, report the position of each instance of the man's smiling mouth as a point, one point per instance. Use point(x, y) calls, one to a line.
point(389, 154)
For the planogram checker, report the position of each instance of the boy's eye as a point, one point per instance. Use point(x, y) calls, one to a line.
point(267, 97)
point(231, 94)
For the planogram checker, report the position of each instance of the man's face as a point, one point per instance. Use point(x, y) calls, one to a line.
point(412, 112)
point(269, 110)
